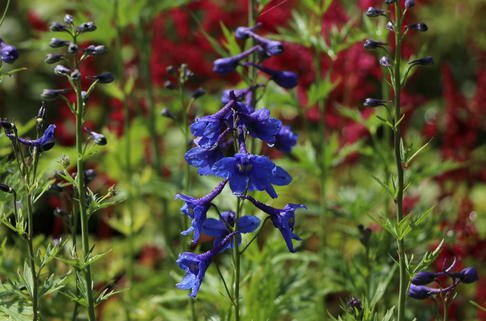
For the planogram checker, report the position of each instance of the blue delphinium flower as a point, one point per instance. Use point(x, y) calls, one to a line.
point(371, 44)
point(424, 277)
point(422, 61)
point(252, 173)
point(195, 266)
point(45, 142)
point(229, 64)
point(104, 78)
point(283, 219)
point(220, 228)
point(9, 53)
point(271, 47)
point(285, 79)
point(467, 275)
point(260, 125)
point(285, 139)
point(203, 159)
point(196, 209)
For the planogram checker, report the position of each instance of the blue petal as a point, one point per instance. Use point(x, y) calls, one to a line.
point(280, 176)
point(214, 227)
point(248, 224)
point(238, 183)
point(187, 282)
point(224, 167)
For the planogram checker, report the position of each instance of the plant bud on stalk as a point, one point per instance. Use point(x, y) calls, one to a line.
point(53, 58)
point(58, 43)
point(422, 27)
point(375, 12)
point(5, 188)
point(57, 27)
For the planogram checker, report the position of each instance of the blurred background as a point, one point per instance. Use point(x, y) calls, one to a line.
point(444, 104)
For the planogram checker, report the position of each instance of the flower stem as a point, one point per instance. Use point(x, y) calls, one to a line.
point(30, 237)
point(236, 254)
point(398, 160)
point(81, 191)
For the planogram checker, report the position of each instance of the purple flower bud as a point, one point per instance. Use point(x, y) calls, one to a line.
point(419, 292)
point(86, 27)
point(409, 3)
point(390, 26)
point(72, 48)
point(99, 139)
point(385, 61)
point(468, 275)
point(244, 32)
point(9, 53)
point(5, 188)
point(371, 102)
point(198, 93)
point(371, 44)
point(422, 61)
point(355, 303)
point(60, 70)
point(285, 79)
point(93, 50)
point(68, 19)
point(423, 278)
point(390, 1)
point(53, 58)
point(166, 113)
point(227, 65)
point(104, 78)
point(89, 175)
point(49, 94)
point(57, 27)
point(58, 43)
point(422, 27)
point(374, 12)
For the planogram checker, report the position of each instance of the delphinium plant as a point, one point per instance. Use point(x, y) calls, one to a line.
point(69, 67)
point(397, 74)
point(221, 150)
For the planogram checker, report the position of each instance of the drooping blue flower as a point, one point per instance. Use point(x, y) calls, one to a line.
point(286, 139)
point(252, 172)
point(229, 64)
point(45, 142)
point(49, 94)
point(9, 53)
point(196, 209)
point(467, 275)
point(285, 79)
point(271, 47)
point(424, 277)
point(283, 219)
point(195, 266)
point(104, 78)
point(203, 159)
point(219, 228)
point(260, 125)
point(209, 128)
point(421, 292)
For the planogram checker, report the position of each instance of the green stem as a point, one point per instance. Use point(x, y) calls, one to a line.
point(444, 310)
point(81, 191)
point(237, 267)
point(398, 161)
point(30, 237)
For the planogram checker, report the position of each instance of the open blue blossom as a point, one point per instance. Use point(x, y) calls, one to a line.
point(252, 172)
point(285, 79)
point(260, 125)
point(45, 142)
point(229, 64)
point(195, 266)
point(203, 159)
point(196, 209)
point(283, 219)
point(209, 128)
point(220, 228)
point(9, 53)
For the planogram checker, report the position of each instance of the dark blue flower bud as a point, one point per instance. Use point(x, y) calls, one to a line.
point(422, 27)
point(355, 303)
point(68, 19)
point(58, 43)
point(75, 75)
point(227, 65)
point(468, 275)
point(56, 188)
point(371, 44)
point(285, 79)
point(419, 292)
point(390, 1)
point(371, 102)
point(45, 142)
point(104, 78)
point(374, 12)
point(86, 27)
point(99, 139)
point(169, 85)
point(385, 61)
point(93, 50)
point(9, 53)
point(389, 26)
point(409, 3)
point(72, 48)
point(5, 188)
point(198, 93)
point(57, 27)
point(53, 58)
point(166, 113)
point(50, 94)
point(89, 175)
point(423, 278)
point(422, 61)
point(60, 70)
point(60, 212)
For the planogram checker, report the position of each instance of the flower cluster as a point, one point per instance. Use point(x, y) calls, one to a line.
point(420, 291)
point(221, 151)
